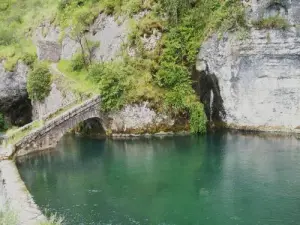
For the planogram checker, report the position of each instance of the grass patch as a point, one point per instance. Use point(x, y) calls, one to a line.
point(274, 22)
point(8, 217)
point(81, 82)
point(16, 134)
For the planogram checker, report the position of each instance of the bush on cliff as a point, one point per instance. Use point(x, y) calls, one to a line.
point(39, 82)
point(3, 125)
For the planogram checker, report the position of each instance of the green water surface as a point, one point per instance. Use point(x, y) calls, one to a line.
point(218, 179)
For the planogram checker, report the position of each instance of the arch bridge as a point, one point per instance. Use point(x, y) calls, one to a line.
point(49, 134)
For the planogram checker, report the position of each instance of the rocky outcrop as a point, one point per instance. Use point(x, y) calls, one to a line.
point(139, 119)
point(14, 102)
point(107, 34)
point(259, 76)
point(105, 31)
point(48, 50)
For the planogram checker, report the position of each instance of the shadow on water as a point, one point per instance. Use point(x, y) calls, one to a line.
point(221, 178)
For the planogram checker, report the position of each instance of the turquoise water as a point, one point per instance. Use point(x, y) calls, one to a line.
point(226, 179)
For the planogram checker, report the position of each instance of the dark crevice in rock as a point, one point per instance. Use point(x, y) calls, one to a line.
point(207, 88)
point(19, 113)
point(91, 127)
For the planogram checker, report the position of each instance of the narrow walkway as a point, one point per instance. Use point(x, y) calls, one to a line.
point(54, 70)
point(4, 152)
point(14, 192)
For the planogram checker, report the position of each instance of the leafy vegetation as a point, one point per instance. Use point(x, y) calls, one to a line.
point(15, 134)
point(39, 82)
point(274, 22)
point(9, 217)
point(3, 125)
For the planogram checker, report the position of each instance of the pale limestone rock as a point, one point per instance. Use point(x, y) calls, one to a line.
point(259, 77)
point(135, 117)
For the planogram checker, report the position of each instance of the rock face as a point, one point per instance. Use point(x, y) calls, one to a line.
point(110, 36)
point(47, 50)
point(105, 31)
point(56, 99)
point(257, 78)
point(14, 101)
point(139, 119)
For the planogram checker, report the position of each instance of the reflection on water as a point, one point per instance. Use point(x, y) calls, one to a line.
point(216, 179)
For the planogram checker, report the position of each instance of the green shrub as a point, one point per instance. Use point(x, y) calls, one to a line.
point(7, 36)
point(78, 62)
point(8, 217)
point(175, 8)
point(3, 125)
point(198, 119)
point(182, 99)
point(39, 82)
point(171, 74)
point(29, 59)
point(274, 22)
point(95, 72)
point(112, 90)
point(112, 85)
point(63, 4)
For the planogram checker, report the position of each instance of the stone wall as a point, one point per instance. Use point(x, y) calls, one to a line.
point(258, 76)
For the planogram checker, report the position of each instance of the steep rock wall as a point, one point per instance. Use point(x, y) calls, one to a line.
point(258, 77)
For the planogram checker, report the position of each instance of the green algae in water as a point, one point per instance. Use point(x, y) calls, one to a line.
point(216, 179)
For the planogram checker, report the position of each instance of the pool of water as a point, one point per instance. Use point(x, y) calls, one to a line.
point(226, 179)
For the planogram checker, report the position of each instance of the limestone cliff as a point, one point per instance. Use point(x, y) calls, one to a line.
point(255, 81)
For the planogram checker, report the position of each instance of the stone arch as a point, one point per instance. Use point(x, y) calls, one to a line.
point(48, 136)
point(91, 127)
